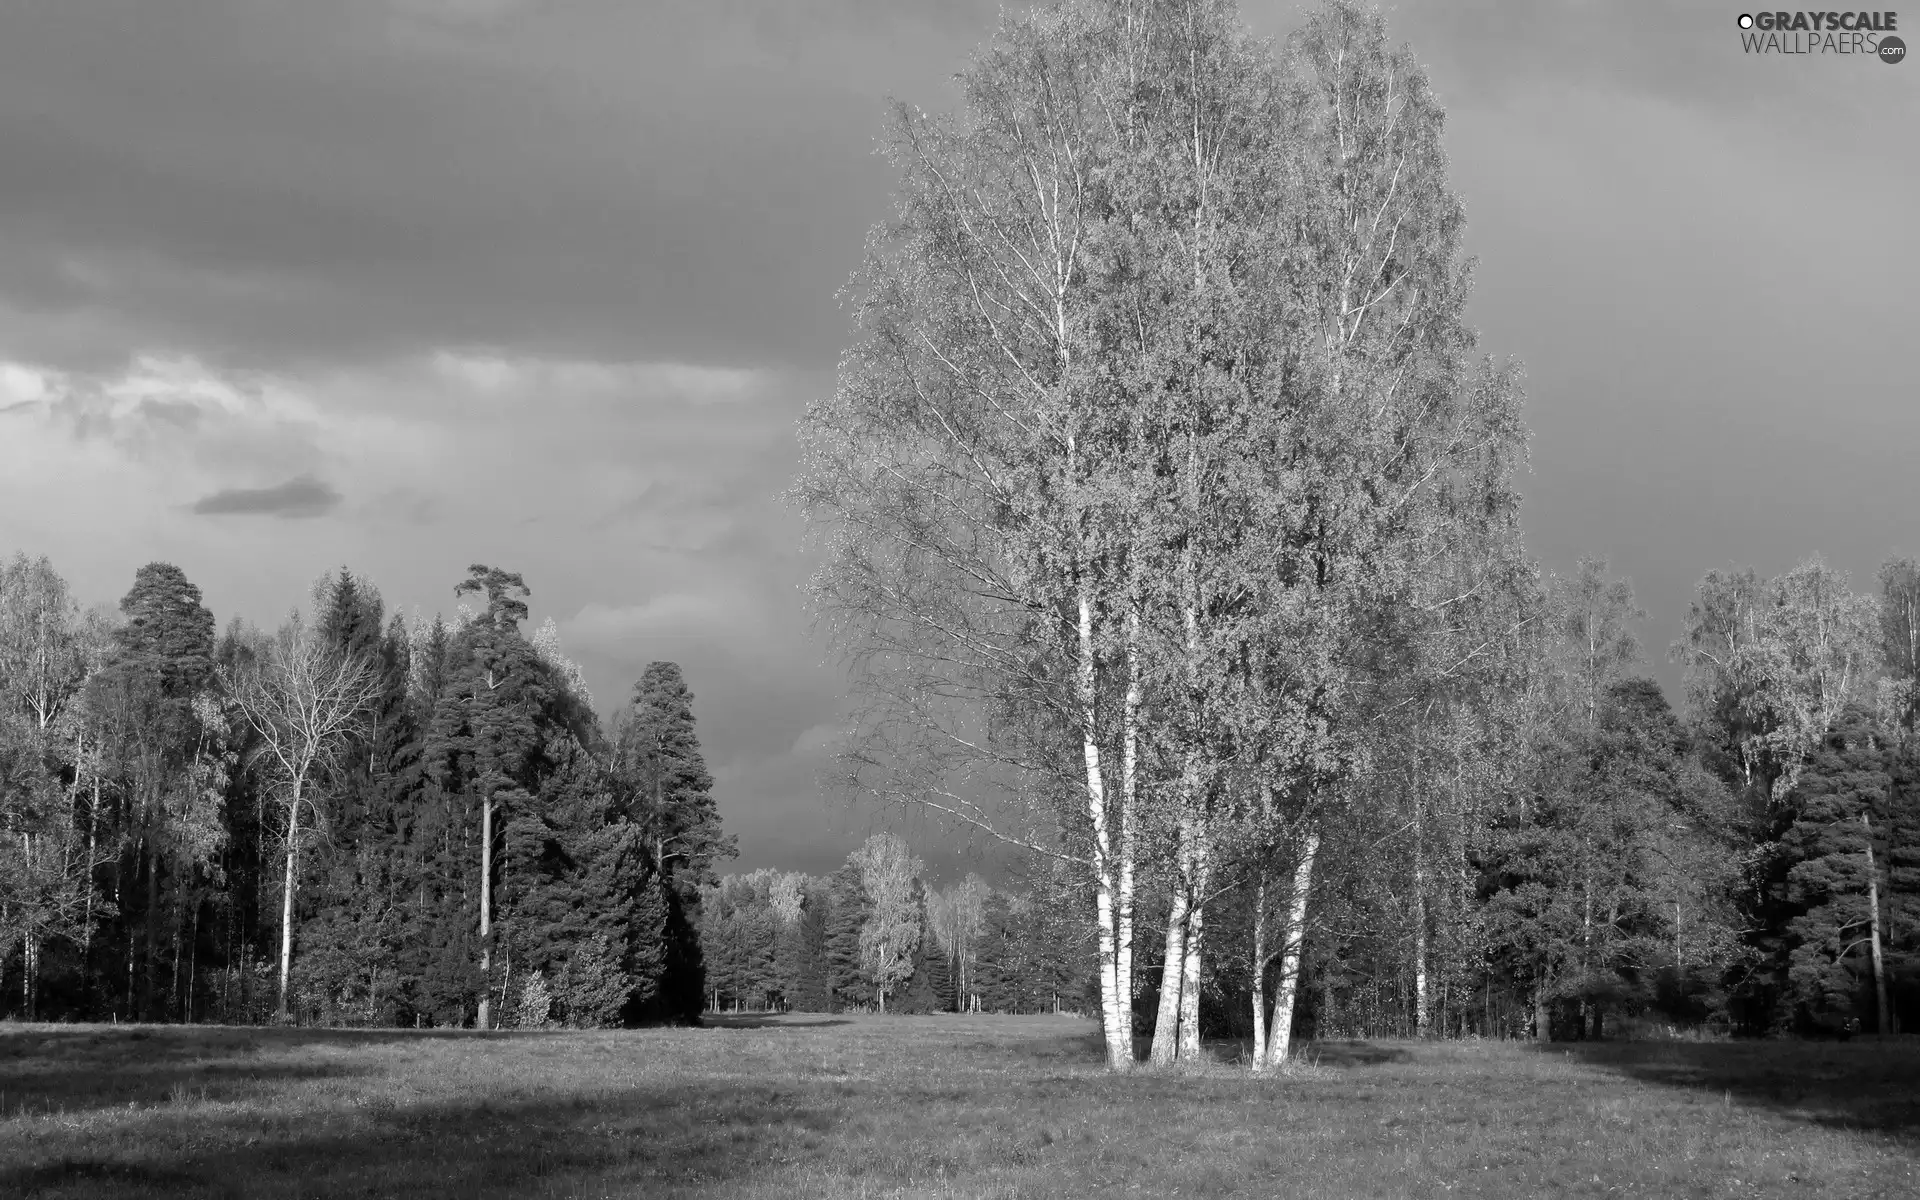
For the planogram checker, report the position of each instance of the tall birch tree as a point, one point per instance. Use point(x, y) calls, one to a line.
point(303, 700)
point(1159, 377)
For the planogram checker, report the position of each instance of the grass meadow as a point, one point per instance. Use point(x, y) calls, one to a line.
point(785, 1108)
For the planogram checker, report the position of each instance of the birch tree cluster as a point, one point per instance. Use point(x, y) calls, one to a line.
point(1169, 531)
point(346, 820)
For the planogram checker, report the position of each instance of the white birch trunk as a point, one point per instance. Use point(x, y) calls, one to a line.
point(286, 899)
point(1190, 958)
point(1259, 1054)
point(1287, 987)
point(1166, 1023)
point(1884, 1022)
point(1421, 1004)
point(1115, 1003)
point(1129, 795)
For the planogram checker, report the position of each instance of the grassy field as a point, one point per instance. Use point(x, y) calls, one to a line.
point(799, 1107)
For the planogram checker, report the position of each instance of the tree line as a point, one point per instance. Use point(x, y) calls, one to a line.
point(874, 937)
point(1167, 518)
point(350, 819)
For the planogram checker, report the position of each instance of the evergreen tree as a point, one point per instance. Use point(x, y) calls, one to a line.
point(145, 698)
point(667, 793)
point(1000, 966)
point(922, 991)
point(848, 984)
point(937, 969)
point(344, 912)
point(1835, 824)
point(808, 982)
point(668, 790)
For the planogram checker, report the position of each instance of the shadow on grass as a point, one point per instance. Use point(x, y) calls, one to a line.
point(83, 1068)
point(674, 1138)
point(770, 1020)
point(1325, 1054)
point(1861, 1085)
point(1351, 1053)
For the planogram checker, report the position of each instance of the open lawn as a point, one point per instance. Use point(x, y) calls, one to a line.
point(812, 1106)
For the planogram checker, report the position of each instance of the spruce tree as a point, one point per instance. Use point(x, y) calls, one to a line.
point(1835, 820)
point(344, 919)
point(847, 981)
point(666, 791)
point(810, 982)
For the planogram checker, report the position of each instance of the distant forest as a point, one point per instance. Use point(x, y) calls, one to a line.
point(470, 847)
point(874, 937)
point(348, 820)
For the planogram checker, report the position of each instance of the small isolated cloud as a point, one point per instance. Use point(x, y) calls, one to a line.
point(304, 496)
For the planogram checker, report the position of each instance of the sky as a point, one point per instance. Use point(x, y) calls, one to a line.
point(405, 285)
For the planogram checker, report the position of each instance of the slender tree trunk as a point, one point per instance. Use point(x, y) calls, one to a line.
point(133, 936)
point(1259, 1055)
point(1884, 1017)
point(1542, 1016)
point(1115, 1013)
point(86, 930)
point(193, 961)
point(1420, 1006)
point(1679, 960)
point(1420, 1001)
point(1190, 958)
point(1129, 797)
point(1166, 1022)
point(286, 900)
point(506, 978)
point(1287, 988)
point(152, 932)
point(481, 1019)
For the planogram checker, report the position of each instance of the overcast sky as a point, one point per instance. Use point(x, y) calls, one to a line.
point(411, 284)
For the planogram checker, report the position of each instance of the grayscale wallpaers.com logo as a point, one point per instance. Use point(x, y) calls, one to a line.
point(1868, 33)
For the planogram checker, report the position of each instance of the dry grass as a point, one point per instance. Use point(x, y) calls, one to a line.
point(800, 1107)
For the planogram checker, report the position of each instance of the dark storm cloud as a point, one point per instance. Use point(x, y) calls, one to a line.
point(301, 497)
point(480, 259)
point(298, 182)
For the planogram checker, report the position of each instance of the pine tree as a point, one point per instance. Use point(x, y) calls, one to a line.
point(164, 659)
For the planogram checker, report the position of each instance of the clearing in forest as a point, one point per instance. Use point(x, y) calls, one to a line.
point(945, 1106)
